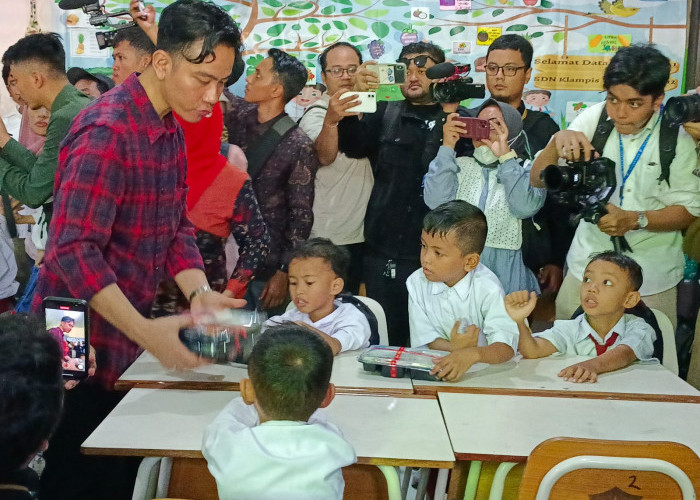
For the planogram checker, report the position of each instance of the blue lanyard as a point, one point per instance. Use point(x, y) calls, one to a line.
point(625, 176)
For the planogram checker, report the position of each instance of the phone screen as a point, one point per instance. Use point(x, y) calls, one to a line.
point(67, 323)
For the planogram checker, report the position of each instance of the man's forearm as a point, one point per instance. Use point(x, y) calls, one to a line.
point(190, 280)
point(327, 144)
point(548, 156)
point(673, 218)
point(112, 305)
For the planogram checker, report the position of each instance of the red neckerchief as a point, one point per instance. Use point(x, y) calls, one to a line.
point(600, 349)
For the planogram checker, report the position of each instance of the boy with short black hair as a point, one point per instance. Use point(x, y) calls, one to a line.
point(453, 287)
point(272, 442)
point(31, 398)
point(610, 286)
point(317, 272)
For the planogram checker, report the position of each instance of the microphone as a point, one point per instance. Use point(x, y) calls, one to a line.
point(442, 70)
point(75, 4)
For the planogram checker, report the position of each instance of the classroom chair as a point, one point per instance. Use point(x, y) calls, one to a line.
point(668, 334)
point(576, 468)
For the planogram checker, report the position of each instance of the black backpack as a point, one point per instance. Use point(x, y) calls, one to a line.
point(642, 311)
point(348, 298)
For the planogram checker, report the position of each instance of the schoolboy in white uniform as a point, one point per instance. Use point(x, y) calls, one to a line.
point(272, 442)
point(316, 277)
point(613, 339)
point(453, 287)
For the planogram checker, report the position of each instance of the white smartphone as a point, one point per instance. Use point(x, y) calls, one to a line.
point(368, 102)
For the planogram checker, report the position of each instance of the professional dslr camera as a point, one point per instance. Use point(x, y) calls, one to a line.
point(584, 187)
point(679, 110)
point(456, 85)
point(98, 17)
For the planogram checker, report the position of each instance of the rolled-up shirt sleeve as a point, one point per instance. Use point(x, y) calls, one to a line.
point(639, 336)
point(497, 325)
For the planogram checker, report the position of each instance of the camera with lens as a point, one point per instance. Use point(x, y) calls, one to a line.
point(98, 17)
point(455, 86)
point(582, 186)
point(679, 110)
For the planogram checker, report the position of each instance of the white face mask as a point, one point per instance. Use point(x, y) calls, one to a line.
point(485, 157)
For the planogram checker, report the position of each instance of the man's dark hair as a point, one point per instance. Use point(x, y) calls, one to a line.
point(627, 264)
point(435, 52)
point(6, 74)
point(290, 73)
point(323, 248)
point(465, 221)
point(41, 47)
point(324, 55)
point(137, 38)
point(513, 42)
point(186, 22)
point(640, 66)
point(290, 368)
point(31, 389)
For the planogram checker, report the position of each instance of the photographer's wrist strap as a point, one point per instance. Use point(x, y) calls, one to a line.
point(625, 176)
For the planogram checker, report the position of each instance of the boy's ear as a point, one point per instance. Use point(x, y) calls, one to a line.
point(470, 261)
point(632, 299)
point(247, 391)
point(337, 285)
point(330, 394)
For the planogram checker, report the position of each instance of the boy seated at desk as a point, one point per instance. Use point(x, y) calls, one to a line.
point(452, 288)
point(271, 442)
point(610, 285)
point(316, 273)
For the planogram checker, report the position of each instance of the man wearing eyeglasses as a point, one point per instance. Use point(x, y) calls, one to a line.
point(400, 139)
point(344, 183)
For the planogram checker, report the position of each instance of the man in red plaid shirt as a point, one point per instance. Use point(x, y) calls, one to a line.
point(120, 226)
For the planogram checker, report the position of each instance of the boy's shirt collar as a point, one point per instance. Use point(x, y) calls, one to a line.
point(462, 287)
point(618, 328)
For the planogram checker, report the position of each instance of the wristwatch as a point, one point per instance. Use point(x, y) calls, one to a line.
point(510, 154)
point(642, 221)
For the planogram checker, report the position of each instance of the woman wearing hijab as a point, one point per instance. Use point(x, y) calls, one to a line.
point(493, 179)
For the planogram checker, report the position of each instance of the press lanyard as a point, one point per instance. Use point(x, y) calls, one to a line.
point(625, 176)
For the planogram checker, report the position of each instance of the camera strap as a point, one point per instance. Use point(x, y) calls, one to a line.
point(625, 175)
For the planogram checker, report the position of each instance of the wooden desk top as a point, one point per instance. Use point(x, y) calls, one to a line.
point(507, 428)
point(538, 377)
point(384, 430)
point(348, 377)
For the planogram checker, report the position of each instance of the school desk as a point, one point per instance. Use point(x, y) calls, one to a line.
point(384, 430)
point(348, 377)
point(507, 428)
point(538, 377)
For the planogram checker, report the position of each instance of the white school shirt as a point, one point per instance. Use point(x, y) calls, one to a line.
point(433, 308)
point(346, 324)
point(571, 336)
point(660, 254)
point(342, 188)
point(279, 459)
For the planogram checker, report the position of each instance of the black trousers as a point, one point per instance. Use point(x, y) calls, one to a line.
point(352, 284)
point(71, 475)
point(389, 289)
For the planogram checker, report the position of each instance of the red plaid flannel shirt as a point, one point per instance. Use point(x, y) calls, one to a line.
point(119, 214)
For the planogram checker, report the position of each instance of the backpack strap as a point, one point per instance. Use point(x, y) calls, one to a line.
point(259, 152)
point(348, 298)
point(313, 106)
point(668, 137)
point(602, 131)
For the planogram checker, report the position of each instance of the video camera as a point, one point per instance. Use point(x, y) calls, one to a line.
point(98, 17)
point(679, 110)
point(584, 187)
point(457, 86)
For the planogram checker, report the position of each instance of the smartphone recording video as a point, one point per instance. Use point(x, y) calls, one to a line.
point(476, 128)
point(67, 321)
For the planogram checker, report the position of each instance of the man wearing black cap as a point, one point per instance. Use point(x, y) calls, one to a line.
point(90, 84)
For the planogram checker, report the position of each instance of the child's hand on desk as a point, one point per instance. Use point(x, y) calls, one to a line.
point(580, 372)
point(455, 364)
point(519, 305)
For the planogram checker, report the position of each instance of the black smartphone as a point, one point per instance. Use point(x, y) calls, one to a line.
point(68, 321)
